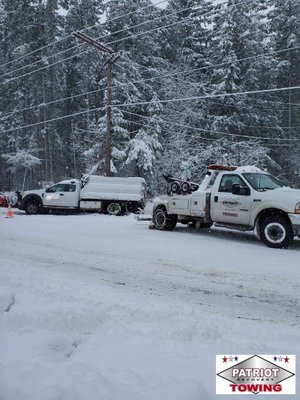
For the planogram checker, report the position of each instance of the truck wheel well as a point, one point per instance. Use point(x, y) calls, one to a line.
point(32, 204)
point(271, 212)
point(161, 207)
point(32, 197)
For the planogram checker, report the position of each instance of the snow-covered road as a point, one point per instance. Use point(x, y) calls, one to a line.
point(102, 307)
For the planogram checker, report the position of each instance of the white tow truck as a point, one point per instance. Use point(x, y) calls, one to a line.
point(111, 195)
point(242, 198)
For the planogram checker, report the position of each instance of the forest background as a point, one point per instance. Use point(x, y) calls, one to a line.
point(196, 81)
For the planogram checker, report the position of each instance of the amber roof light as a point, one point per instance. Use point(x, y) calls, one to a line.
point(217, 167)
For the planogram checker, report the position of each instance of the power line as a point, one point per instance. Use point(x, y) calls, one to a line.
point(51, 120)
point(145, 117)
point(210, 96)
point(210, 131)
point(265, 103)
point(157, 77)
point(99, 38)
point(165, 130)
point(54, 101)
point(266, 109)
point(148, 79)
point(221, 95)
point(82, 30)
point(246, 125)
point(285, 105)
point(112, 42)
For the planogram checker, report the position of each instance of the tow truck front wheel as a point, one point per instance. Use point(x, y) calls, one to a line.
point(164, 221)
point(276, 232)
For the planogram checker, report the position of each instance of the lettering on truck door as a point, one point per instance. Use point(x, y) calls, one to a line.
point(228, 207)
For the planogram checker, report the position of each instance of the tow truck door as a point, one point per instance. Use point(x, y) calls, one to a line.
point(227, 207)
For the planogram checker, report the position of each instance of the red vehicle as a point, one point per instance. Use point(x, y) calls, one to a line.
point(3, 200)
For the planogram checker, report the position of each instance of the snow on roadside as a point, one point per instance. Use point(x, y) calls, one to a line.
point(100, 307)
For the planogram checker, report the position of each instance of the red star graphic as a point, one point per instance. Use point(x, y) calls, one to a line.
point(286, 359)
point(224, 359)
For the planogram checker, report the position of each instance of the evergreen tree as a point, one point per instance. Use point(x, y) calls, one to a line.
point(193, 49)
point(239, 35)
point(285, 31)
point(83, 74)
point(186, 44)
point(17, 38)
point(132, 67)
point(143, 149)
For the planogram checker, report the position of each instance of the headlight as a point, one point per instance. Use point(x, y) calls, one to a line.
point(297, 208)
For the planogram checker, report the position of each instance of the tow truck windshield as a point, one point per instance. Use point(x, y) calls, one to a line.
point(262, 182)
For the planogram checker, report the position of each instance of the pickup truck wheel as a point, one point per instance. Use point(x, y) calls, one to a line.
point(276, 232)
point(114, 209)
point(164, 221)
point(32, 207)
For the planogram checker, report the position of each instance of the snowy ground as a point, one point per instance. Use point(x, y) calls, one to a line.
point(97, 307)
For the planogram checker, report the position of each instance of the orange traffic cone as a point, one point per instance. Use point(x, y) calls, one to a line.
point(9, 212)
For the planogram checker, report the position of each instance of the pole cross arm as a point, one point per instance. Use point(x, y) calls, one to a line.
point(112, 58)
point(93, 42)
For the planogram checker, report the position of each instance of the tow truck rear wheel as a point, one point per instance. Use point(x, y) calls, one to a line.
point(32, 207)
point(276, 232)
point(164, 221)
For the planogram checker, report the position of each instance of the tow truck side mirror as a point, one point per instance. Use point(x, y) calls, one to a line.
point(240, 190)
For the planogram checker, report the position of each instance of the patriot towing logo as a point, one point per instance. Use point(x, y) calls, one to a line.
point(257, 374)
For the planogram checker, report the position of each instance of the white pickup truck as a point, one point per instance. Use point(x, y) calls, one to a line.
point(242, 198)
point(111, 195)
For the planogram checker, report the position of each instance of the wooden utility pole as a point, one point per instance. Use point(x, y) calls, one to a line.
point(108, 119)
point(109, 62)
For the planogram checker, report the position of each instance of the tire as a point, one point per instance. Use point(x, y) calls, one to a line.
point(164, 221)
point(175, 187)
point(32, 207)
point(114, 209)
point(185, 187)
point(276, 232)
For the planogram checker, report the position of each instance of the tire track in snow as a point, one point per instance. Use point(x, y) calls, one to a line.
point(235, 295)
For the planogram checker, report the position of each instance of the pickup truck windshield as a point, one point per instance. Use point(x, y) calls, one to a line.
point(262, 182)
